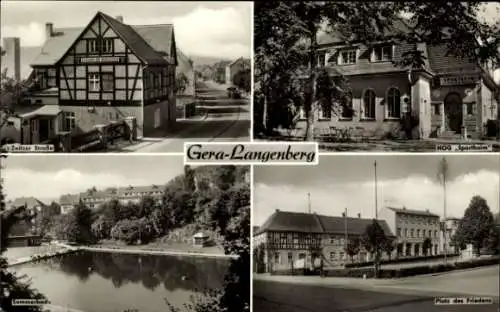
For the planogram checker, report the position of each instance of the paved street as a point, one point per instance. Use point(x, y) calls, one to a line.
point(298, 294)
point(223, 120)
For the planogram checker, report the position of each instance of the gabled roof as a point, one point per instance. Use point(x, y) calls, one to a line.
point(185, 64)
point(413, 212)
point(286, 221)
point(30, 202)
point(69, 199)
point(150, 43)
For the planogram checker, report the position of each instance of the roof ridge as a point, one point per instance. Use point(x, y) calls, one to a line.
point(153, 25)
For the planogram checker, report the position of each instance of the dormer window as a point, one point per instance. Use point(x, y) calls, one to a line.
point(347, 57)
point(382, 54)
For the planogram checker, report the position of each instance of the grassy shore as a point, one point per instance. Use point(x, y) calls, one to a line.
point(162, 246)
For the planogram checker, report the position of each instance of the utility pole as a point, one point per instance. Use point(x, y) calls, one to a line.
point(345, 235)
point(376, 219)
point(444, 172)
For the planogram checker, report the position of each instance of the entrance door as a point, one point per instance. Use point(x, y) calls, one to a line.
point(453, 112)
point(44, 129)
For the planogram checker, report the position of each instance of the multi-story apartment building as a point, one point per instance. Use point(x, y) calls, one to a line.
point(412, 227)
point(292, 239)
point(104, 72)
point(448, 229)
point(93, 198)
point(450, 96)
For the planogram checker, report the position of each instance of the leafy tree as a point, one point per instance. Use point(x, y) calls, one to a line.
point(181, 83)
point(477, 226)
point(79, 225)
point(101, 228)
point(243, 80)
point(426, 245)
point(287, 29)
point(388, 247)
point(11, 285)
point(189, 179)
point(131, 231)
point(353, 247)
point(373, 239)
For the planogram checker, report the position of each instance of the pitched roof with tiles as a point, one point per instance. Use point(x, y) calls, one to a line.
point(150, 43)
point(286, 221)
point(30, 202)
point(69, 199)
point(413, 212)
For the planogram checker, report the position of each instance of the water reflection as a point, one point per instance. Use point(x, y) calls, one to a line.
point(140, 281)
point(189, 273)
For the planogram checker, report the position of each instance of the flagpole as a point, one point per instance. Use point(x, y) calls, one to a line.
point(445, 169)
point(376, 218)
point(345, 234)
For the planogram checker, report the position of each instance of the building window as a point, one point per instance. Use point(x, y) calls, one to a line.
point(398, 232)
point(435, 233)
point(347, 57)
point(418, 232)
point(332, 240)
point(325, 111)
point(69, 121)
point(369, 104)
point(100, 45)
point(437, 109)
point(406, 232)
point(332, 256)
point(471, 109)
point(393, 103)
point(95, 82)
point(321, 58)
point(430, 233)
point(342, 255)
point(382, 54)
point(347, 109)
point(290, 257)
point(411, 233)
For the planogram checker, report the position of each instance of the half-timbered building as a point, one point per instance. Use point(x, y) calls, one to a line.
point(292, 240)
point(105, 72)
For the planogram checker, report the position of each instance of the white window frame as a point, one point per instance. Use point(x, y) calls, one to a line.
point(69, 118)
point(393, 99)
point(94, 82)
point(112, 81)
point(92, 46)
point(348, 53)
point(107, 45)
point(382, 57)
point(324, 114)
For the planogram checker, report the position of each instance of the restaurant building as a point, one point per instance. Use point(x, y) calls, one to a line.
point(290, 239)
point(448, 96)
point(102, 73)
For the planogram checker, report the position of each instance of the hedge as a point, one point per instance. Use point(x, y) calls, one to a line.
point(396, 273)
point(396, 261)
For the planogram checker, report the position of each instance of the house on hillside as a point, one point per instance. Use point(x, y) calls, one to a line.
point(93, 198)
point(448, 96)
point(103, 72)
point(68, 202)
point(291, 240)
point(234, 67)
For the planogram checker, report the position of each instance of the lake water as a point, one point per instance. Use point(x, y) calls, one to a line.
point(113, 282)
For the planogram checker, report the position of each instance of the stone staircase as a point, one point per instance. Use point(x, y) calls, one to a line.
point(450, 135)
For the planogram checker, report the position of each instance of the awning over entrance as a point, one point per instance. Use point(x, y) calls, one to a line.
point(37, 110)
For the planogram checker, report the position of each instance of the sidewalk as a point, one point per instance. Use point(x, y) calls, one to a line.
point(176, 134)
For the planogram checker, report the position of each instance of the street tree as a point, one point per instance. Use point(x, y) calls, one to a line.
point(388, 247)
point(353, 247)
point(243, 80)
point(426, 246)
point(373, 239)
point(477, 225)
point(285, 26)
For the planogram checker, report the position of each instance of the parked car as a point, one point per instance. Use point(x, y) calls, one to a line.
point(233, 93)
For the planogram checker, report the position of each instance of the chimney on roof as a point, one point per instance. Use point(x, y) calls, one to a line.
point(119, 18)
point(12, 57)
point(49, 30)
point(359, 216)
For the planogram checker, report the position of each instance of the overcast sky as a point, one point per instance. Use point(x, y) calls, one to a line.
point(48, 177)
point(215, 29)
point(340, 182)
